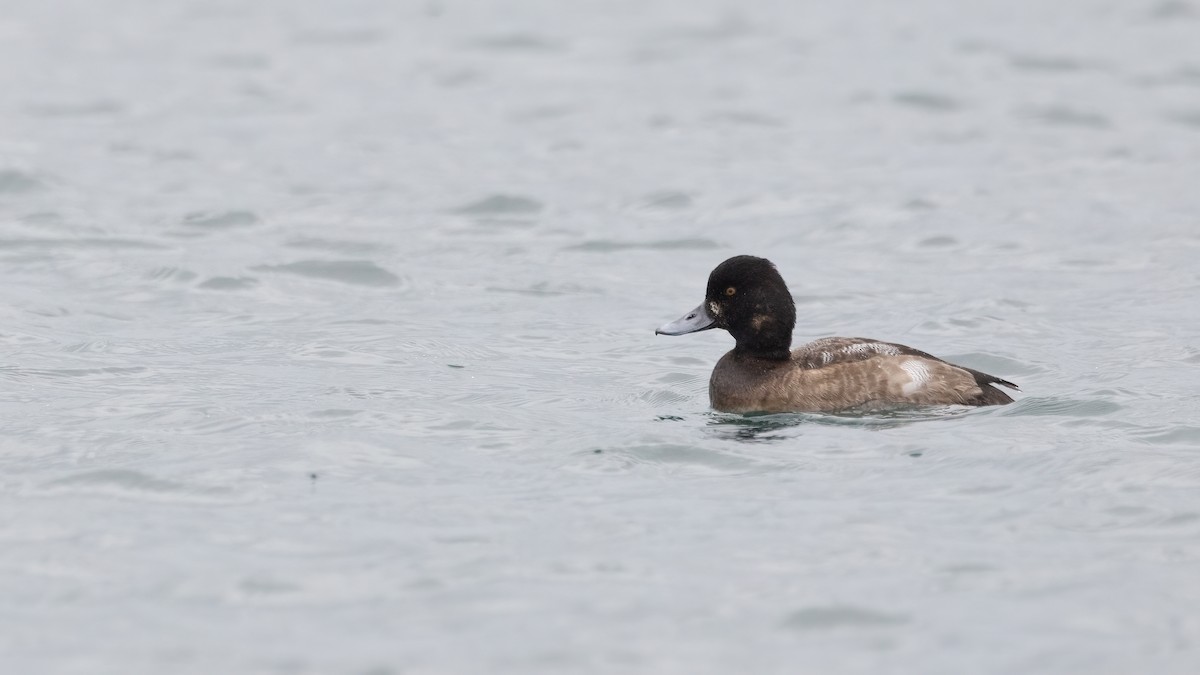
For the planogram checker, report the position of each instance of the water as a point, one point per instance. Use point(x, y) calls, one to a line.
point(328, 336)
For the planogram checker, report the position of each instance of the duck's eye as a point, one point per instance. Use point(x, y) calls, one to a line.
point(730, 291)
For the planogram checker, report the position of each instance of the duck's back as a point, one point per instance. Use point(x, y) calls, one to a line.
point(846, 373)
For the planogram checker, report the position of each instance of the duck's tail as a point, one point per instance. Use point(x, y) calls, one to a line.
point(990, 395)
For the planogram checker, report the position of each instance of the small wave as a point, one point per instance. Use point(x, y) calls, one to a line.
point(842, 616)
point(517, 42)
point(501, 205)
point(1176, 435)
point(341, 37)
point(666, 200)
point(15, 182)
point(927, 101)
point(220, 220)
point(135, 484)
point(674, 457)
point(81, 243)
point(1190, 118)
point(85, 372)
point(228, 283)
point(606, 246)
point(1054, 64)
point(177, 274)
point(1062, 116)
point(81, 109)
point(356, 272)
point(1039, 406)
point(338, 246)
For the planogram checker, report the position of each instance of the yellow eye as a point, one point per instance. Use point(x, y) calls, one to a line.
point(730, 291)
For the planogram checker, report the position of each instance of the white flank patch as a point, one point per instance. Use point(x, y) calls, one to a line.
point(917, 373)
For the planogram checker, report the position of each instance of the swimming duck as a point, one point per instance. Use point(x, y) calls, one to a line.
point(747, 297)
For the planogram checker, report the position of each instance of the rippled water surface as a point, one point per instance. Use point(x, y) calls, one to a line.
point(328, 339)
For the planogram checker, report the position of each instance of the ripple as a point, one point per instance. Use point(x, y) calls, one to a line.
point(666, 200)
point(345, 36)
point(929, 101)
point(129, 483)
point(339, 246)
point(220, 220)
point(826, 299)
point(939, 241)
point(547, 289)
point(1173, 10)
point(664, 397)
point(17, 182)
point(728, 27)
point(994, 363)
point(83, 109)
point(1190, 118)
point(1062, 116)
point(457, 77)
point(92, 346)
point(1056, 64)
point(229, 283)
point(264, 585)
point(687, 361)
point(43, 218)
point(747, 118)
point(920, 204)
point(517, 42)
point(241, 61)
point(177, 274)
point(672, 456)
point(81, 243)
point(1178, 435)
point(956, 326)
point(607, 246)
point(356, 272)
point(842, 616)
point(334, 413)
point(1180, 76)
point(1040, 406)
point(86, 372)
point(542, 112)
point(501, 205)
point(1186, 75)
point(332, 353)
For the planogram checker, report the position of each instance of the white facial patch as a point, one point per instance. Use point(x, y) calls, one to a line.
point(918, 376)
point(714, 309)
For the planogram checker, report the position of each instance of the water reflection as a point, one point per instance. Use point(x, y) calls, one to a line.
point(767, 428)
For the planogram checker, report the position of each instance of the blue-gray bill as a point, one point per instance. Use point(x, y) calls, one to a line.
point(696, 320)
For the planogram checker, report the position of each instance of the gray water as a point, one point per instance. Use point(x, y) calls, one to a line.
point(328, 336)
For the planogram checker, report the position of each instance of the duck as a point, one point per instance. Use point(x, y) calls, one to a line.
point(748, 297)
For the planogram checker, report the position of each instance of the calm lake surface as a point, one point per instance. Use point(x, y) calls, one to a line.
point(328, 338)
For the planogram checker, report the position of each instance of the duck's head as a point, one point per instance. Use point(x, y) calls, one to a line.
point(747, 297)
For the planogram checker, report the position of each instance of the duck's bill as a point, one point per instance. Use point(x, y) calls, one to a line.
point(696, 320)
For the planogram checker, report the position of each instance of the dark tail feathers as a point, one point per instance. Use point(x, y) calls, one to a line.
point(990, 395)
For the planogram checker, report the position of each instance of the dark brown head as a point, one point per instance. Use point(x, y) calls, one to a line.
point(747, 297)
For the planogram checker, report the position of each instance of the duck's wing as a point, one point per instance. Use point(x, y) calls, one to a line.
point(832, 351)
point(897, 372)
